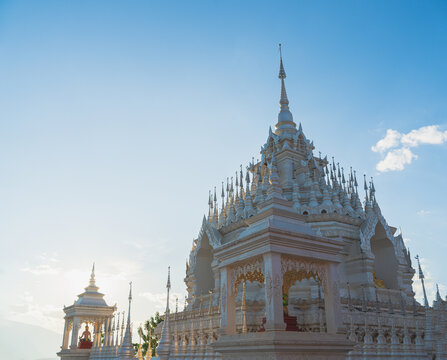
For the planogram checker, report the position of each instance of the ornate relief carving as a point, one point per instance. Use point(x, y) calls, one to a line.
point(249, 276)
point(305, 269)
point(291, 276)
point(251, 270)
point(272, 287)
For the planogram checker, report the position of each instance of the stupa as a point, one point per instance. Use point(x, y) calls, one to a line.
point(292, 265)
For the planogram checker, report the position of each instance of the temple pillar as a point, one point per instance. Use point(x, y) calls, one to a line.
point(96, 333)
point(216, 293)
point(227, 306)
point(66, 334)
point(75, 333)
point(334, 321)
point(273, 293)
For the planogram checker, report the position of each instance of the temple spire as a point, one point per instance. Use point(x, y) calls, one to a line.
point(285, 118)
point(284, 102)
point(168, 287)
point(165, 339)
point(92, 276)
point(422, 277)
point(92, 288)
point(127, 350)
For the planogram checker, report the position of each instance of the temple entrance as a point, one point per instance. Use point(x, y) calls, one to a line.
point(303, 301)
point(203, 272)
point(385, 262)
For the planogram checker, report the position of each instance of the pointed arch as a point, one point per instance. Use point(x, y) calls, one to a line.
point(379, 243)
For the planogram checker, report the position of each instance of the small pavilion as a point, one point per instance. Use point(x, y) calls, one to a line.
point(90, 310)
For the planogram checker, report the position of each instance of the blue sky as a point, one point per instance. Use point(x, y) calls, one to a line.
point(116, 118)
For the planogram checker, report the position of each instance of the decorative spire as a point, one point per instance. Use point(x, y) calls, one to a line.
point(222, 195)
point(92, 277)
point(274, 189)
point(112, 335)
point(165, 339)
point(117, 330)
point(149, 348)
point(140, 351)
point(127, 351)
point(216, 210)
point(438, 295)
point(122, 329)
point(422, 277)
point(210, 206)
point(285, 118)
point(168, 287)
point(91, 288)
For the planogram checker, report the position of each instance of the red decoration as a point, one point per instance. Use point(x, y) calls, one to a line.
point(85, 344)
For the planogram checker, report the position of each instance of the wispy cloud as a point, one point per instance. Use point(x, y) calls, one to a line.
point(423, 213)
point(158, 300)
point(46, 265)
point(395, 147)
point(42, 269)
point(27, 311)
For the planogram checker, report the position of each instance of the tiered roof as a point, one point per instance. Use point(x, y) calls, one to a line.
point(289, 170)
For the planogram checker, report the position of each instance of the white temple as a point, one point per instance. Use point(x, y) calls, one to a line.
point(290, 265)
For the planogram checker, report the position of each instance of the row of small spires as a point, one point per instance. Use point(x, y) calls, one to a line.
point(113, 337)
point(332, 188)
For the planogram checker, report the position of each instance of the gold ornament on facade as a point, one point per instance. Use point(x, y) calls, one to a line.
point(249, 276)
point(291, 276)
point(379, 283)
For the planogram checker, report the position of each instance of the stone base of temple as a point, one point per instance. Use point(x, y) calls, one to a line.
point(74, 354)
point(279, 345)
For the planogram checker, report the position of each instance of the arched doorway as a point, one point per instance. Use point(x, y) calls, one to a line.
point(385, 262)
point(203, 272)
point(303, 299)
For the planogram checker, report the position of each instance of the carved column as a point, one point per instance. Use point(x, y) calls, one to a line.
point(66, 334)
point(75, 333)
point(334, 321)
point(273, 292)
point(227, 308)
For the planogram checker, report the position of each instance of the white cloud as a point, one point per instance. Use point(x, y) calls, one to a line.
point(390, 140)
point(424, 135)
point(423, 212)
point(396, 160)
